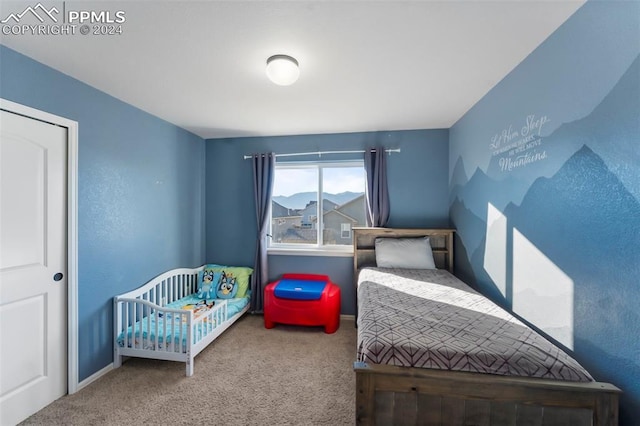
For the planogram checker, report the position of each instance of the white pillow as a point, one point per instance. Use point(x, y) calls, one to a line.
point(408, 253)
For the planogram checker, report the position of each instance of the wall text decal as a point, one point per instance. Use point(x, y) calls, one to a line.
point(519, 148)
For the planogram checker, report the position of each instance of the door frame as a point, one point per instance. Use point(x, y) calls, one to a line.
point(72, 229)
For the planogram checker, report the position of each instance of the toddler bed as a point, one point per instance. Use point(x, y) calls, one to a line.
point(176, 315)
point(433, 351)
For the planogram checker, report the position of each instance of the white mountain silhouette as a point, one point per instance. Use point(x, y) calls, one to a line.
point(34, 11)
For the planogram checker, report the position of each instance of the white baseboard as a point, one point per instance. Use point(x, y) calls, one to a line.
point(344, 317)
point(95, 376)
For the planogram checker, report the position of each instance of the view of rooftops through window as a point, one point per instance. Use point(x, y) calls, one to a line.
point(295, 217)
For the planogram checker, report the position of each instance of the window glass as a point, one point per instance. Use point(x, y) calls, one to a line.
point(346, 230)
point(343, 203)
point(299, 218)
point(294, 206)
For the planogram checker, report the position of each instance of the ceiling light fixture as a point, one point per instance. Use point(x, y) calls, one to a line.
point(282, 70)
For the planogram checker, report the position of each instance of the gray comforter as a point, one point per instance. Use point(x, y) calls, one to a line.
point(431, 319)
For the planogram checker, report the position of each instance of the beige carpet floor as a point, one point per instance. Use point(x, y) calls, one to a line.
point(249, 376)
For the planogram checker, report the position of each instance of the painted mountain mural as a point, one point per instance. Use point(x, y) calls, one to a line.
point(473, 229)
point(582, 201)
point(459, 176)
point(613, 133)
point(566, 218)
point(591, 241)
point(614, 119)
point(481, 190)
point(580, 218)
point(577, 212)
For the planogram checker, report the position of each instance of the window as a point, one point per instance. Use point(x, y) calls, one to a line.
point(345, 230)
point(300, 219)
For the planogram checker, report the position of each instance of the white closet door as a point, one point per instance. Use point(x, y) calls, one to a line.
point(33, 259)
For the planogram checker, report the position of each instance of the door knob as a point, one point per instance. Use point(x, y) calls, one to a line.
point(58, 276)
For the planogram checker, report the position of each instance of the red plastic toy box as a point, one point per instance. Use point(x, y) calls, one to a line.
point(303, 299)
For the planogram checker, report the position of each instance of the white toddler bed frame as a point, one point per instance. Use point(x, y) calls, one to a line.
point(137, 308)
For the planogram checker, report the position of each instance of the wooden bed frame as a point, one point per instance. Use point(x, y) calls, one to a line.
point(391, 395)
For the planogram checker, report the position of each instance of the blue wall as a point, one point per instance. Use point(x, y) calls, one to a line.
point(545, 177)
point(417, 184)
point(140, 191)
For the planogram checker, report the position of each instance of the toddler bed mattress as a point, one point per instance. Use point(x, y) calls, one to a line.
point(428, 318)
point(176, 328)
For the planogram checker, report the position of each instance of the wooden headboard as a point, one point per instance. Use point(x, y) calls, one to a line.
point(364, 253)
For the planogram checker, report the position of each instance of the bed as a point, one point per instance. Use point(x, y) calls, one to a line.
point(433, 351)
point(179, 313)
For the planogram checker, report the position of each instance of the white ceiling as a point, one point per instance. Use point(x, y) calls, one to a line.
point(365, 65)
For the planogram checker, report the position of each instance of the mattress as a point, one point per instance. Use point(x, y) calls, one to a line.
point(430, 319)
point(176, 328)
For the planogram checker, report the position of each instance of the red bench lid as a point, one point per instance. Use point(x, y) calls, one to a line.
point(299, 289)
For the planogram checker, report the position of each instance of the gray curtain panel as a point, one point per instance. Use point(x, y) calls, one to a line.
point(377, 192)
point(263, 174)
